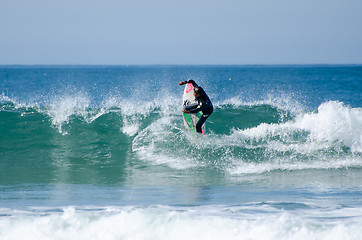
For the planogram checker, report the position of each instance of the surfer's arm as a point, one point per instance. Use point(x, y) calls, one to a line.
point(188, 81)
point(193, 108)
point(193, 82)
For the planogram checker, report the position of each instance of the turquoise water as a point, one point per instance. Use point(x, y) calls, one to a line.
point(100, 152)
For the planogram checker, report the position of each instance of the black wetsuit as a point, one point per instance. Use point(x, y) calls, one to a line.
point(203, 104)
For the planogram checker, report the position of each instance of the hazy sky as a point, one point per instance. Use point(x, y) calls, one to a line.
point(180, 32)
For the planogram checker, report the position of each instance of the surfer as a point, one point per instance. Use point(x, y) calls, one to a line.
point(202, 104)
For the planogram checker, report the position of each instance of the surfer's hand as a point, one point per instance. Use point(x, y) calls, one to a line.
point(185, 111)
point(181, 83)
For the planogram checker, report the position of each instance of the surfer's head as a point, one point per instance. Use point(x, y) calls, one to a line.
point(199, 92)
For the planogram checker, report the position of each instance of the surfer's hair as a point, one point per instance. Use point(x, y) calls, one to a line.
point(200, 91)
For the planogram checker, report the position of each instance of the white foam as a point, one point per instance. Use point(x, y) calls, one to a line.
point(151, 145)
point(63, 107)
point(333, 123)
point(210, 222)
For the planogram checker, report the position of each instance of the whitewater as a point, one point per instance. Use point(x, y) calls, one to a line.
point(100, 152)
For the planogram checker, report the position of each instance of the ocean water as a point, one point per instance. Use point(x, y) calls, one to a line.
point(101, 152)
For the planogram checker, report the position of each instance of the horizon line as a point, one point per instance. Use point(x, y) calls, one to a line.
point(127, 65)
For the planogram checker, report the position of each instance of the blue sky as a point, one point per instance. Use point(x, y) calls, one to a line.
point(122, 32)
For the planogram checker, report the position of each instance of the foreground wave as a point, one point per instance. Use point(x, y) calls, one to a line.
point(253, 221)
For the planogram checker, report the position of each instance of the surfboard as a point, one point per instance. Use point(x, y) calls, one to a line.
point(191, 119)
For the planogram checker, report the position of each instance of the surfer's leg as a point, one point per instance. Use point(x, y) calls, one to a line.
point(200, 122)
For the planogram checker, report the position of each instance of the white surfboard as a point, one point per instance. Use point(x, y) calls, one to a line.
point(191, 119)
